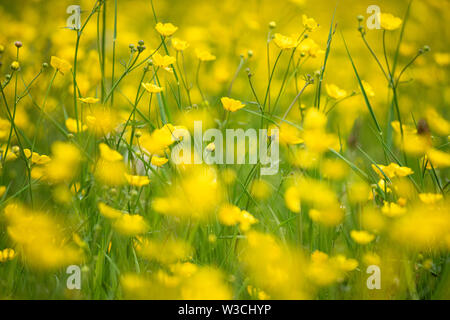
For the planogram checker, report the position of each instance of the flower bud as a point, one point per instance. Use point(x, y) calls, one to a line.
point(15, 66)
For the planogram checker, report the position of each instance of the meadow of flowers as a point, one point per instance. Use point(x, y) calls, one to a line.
point(358, 208)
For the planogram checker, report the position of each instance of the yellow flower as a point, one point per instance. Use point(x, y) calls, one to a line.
point(152, 88)
point(437, 122)
point(167, 251)
point(314, 120)
point(137, 181)
point(371, 259)
point(109, 212)
point(43, 241)
point(260, 189)
point(130, 225)
point(204, 55)
point(284, 42)
point(159, 161)
point(229, 215)
point(362, 237)
point(368, 89)
point(7, 254)
point(15, 65)
point(389, 22)
point(228, 176)
point(157, 142)
point(36, 158)
point(430, 198)
point(292, 199)
point(165, 29)
point(439, 159)
point(309, 47)
point(425, 228)
point(60, 64)
point(101, 121)
point(2, 190)
point(163, 61)
point(392, 209)
point(309, 23)
point(186, 197)
point(232, 105)
point(71, 125)
point(358, 192)
point(327, 217)
point(442, 58)
point(334, 169)
point(109, 154)
point(392, 170)
point(373, 220)
point(179, 45)
point(335, 92)
point(288, 134)
point(89, 100)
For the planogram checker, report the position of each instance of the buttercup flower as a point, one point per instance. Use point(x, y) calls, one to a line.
point(165, 29)
point(232, 105)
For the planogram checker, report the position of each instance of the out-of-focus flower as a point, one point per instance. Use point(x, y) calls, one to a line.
point(163, 251)
point(159, 161)
point(309, 47)
point(362, 237)
point(41, 240)
point(157, 142)
point(60, 64)
point(89, 100)
point(130, 225)
point(442, 58)
point(309, 23)
point(392, 209)
point(288, 134)
point(389, 22)
point(425, 228)
point(204, 55)
point(108, 212)
point(439, 159)
point(179, 45)
point(437, 123)
point(276, 268)
point(7, 255)
point(165, 29)
point(335, 92)
point(163, 61)
point(334, 169)
point(110, 168)
point(430, 198)
point(101, 121)
point(2, 191)
point(230, 215)
point(260, 189)
point(152, 88)
point(71, 125)
point(137, 181)
point(63, 166)
point(284, 42)
point(368, 89)
point(324, 270)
